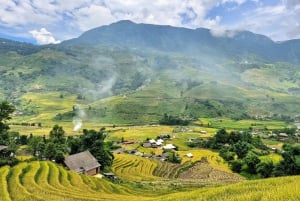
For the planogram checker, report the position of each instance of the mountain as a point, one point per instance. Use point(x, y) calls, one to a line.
point(19, 47)
point(148, 70)
point(189, 41)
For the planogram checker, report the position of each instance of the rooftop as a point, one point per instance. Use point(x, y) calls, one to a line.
point(81, 161)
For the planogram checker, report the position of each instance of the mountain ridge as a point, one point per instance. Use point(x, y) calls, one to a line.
point(166, 38)
point(189, 41)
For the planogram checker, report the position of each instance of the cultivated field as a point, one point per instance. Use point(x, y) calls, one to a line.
point(40, 181)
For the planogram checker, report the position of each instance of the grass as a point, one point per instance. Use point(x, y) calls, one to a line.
point(275, 158)
point(139, 133)
point(242, 124)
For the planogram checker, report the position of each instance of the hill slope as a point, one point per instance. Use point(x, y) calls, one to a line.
point(149, 70)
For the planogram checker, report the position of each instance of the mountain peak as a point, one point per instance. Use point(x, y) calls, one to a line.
point(123, 22)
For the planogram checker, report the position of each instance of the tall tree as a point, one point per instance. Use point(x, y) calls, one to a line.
point(6, 109)
point(57, 134)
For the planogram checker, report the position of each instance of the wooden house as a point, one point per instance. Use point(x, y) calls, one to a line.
point(83, 162)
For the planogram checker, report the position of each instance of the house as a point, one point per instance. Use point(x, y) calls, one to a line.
point(169, 146)
point(83, 162)
point(283, 135)
point(164, 136)
point(147, 145)
point(3, 150)
point(2, 147)
point(159, 142)
point(152, 141)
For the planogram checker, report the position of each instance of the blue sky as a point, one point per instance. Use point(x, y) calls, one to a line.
point(52, 21)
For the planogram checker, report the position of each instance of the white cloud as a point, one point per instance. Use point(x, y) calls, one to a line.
point(92, 16)
point(234, 1)
point(292, 4)
point(277, 22)
point(44, 37)
point(69, 18)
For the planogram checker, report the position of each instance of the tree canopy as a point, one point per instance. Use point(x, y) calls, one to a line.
point(94, 142)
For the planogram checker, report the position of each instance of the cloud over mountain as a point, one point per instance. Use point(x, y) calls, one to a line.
point(44, 37)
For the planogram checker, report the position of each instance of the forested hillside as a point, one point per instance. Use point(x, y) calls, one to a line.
point(149, 70)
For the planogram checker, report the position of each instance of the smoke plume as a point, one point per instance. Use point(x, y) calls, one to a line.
point(78, 118)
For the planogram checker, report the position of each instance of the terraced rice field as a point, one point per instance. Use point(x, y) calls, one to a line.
point(189, 173)
point(134, 168)
point(39, 181)
point(275, 189)
point(43, 181)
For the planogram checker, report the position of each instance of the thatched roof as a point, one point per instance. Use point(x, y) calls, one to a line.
point(81, 162)
point(2, 147)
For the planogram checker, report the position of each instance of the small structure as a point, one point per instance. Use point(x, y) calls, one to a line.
point(120, 150)
point(128, 142)
point(169, 146)
point(83, 162)
point(283, 135)
point(152, 141)
point(3, 150)
point(147, 145)
point(164, 136)
point(189, 155)
point(159, 142)
point(110, 176)
point(2, 147)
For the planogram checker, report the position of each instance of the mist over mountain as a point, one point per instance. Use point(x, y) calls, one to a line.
point(149, 70)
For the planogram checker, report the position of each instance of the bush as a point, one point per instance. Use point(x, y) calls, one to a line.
point(236, 165)
point(9, 161)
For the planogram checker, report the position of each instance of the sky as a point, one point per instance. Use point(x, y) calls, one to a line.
point(53, 21)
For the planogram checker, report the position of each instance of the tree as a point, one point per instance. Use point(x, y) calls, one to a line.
point(226, 154)
point(173, 157)
point(23, 139)
point(221, 136)
point(57, 134)
point(6, 109)
point(75, 145)
point(265, 168)
point(251, 160)
point(94, 142)
point(289, 165)
point(50, 151)
point(241, 149)
point(236, 165)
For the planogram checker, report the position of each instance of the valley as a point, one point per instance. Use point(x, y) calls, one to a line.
point(180, 114)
